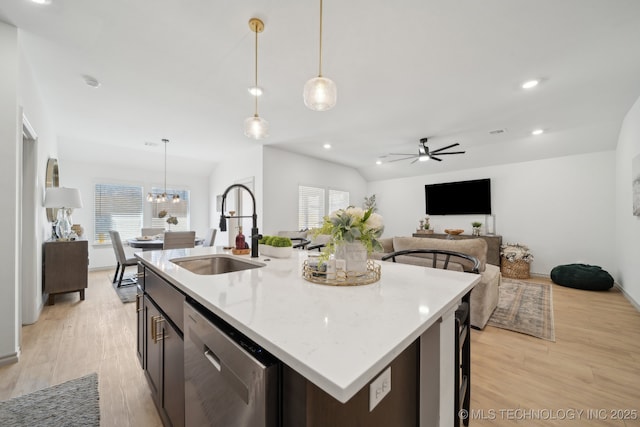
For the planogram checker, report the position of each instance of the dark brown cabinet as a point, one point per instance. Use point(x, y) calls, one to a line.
point(65, 267)
point(161, 346)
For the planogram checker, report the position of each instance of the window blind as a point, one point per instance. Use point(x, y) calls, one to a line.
point(338, 200)
point(310, 207)
point(117, 207)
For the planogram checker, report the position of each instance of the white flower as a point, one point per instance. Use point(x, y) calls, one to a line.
point(355, 213)
point(374, 222)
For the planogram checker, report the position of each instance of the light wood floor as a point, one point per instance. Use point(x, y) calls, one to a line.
point(73, 338)
point(593, 365)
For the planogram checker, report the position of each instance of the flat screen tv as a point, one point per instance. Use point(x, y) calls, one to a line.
point(459, 198)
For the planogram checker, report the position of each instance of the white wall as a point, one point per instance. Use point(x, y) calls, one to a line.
point(9, 176)
point(627, 230)
point(562, 208)
point(284, 172)
point(243, 165)
point(31, 101)
point(84, 176)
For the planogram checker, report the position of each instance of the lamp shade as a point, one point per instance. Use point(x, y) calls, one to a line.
point(320, 94)
point(61, 197)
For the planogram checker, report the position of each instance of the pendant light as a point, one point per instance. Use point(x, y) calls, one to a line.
point(256, 127)
point(320, 93)
point(162, 197)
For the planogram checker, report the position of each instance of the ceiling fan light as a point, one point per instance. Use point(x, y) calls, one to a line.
point(423, 158)
point(256, 127)
point(320, 94)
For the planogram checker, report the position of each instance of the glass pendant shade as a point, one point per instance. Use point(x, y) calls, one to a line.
point(256, 127)
point(320, 94)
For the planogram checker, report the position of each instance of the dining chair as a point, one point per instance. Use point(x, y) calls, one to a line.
point(151, 231)
point(462, 357)
point(211, 237)
point(121, 258)
point(179, 239)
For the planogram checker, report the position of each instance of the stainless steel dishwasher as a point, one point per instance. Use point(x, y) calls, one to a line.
point(229, 380)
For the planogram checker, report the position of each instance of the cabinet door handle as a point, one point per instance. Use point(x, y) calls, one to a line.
point(156, 331)
point(138, 307)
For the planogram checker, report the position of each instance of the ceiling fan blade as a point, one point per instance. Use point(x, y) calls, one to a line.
point(404, 158)
point(401, 154)
point(451, 152)
point(415, 160)
point(444, 148)
point(435, 158)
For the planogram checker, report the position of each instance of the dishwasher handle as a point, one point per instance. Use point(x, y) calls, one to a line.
point(211, 357)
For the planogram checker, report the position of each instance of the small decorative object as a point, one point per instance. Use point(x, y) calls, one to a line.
point(355, 234)
point(275, 246)
point(77, 228)
point(162, 214)
point(515, 260)
point(172, 220)
point(476, 228)
point(453, 231)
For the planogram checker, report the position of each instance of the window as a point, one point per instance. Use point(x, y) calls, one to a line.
point(338, 200)
point(117, 207)
point(311, 205)
point(179, 210)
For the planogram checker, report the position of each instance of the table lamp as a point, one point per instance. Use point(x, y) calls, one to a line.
point(64, 199)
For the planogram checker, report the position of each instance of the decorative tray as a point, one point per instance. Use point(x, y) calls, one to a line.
point(341, 277)
point(241, 251)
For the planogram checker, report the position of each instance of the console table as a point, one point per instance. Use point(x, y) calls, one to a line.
point(65, 266)
point(493, 242)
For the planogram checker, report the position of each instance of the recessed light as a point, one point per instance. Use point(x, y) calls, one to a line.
point(327, 146)
point(91, 81)
point(378, 162)
point(255, 90)
point(41, 1)
point(530, 84)
point(537, 132)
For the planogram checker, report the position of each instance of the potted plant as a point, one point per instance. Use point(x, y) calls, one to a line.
point(275, 246)
point(476, 228)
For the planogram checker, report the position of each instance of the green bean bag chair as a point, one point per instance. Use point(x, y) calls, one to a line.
point(582, 276)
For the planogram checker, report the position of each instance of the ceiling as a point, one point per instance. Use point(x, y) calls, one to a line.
point(450, 70)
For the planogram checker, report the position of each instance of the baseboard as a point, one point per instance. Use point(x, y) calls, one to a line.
point(10, 359)
point(627, 296)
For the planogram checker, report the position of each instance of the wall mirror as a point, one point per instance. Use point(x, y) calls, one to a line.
point(52, 179)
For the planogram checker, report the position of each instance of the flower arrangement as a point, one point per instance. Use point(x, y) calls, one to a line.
point(353, 224)
point(513, 252)
point(172, 220)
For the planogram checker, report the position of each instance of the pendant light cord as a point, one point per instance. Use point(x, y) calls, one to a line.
point(256, 96)
point(320, 61)
point(165, 165)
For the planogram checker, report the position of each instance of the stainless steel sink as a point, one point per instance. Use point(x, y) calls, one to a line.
point(215, 264)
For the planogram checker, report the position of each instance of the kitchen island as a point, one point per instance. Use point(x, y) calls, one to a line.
point(337, 338)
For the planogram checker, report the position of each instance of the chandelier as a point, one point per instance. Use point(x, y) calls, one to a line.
point(163, 197)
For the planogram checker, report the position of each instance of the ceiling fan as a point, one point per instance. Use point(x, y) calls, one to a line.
point(425, 154)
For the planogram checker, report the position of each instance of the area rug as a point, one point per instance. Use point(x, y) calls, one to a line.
point(73, 403)
point(525, 307)
point(126, 292)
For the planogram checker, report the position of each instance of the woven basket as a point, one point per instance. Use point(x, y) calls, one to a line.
point(518, 269)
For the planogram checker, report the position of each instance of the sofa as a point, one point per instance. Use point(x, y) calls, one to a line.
point(484, 296)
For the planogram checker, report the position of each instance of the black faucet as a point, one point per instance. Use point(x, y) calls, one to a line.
point(255, 236)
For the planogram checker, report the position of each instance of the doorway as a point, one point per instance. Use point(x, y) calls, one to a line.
point(30, 299)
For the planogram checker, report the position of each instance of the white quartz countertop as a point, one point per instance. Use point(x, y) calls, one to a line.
point(338, 337)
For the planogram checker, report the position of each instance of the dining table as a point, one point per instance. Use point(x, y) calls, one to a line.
point(154, 244)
